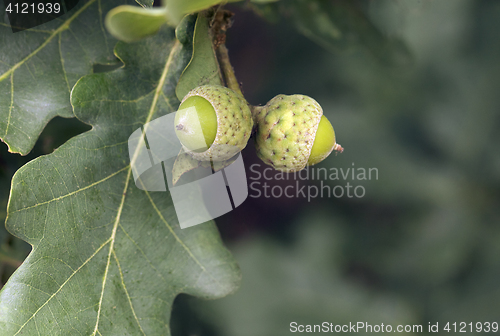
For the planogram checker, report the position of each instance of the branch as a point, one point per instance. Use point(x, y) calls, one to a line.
point(227, 70)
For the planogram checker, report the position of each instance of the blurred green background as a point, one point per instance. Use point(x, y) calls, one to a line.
point(412, 88)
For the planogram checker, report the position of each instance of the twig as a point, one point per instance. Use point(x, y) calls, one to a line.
point(227, 70)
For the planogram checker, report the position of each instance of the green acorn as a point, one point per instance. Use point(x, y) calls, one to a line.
point(218, 127)
point(293, 133)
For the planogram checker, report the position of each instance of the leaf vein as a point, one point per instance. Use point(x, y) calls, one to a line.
point(127, 294)
point(129, 173)
point(62, 27)
point(62, 63)
point(142, 252)
point(11, 103)
point(102, 25)
point(178, 239)
point(71, 193)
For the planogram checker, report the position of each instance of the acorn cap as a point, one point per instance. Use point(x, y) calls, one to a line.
point(234, 122)
point(286, 129)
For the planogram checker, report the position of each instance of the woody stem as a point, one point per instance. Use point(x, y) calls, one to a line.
point(227, 70)
point(230, 77)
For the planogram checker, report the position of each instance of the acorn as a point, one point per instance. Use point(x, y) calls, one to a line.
point(292, 133)
point(213, 123)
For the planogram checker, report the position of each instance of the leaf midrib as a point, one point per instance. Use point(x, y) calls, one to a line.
point(152, 109)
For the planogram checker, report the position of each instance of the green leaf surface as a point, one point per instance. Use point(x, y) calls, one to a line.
point(108, 258)
point(132, 23)
point(203, 68)
point(39, 66)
